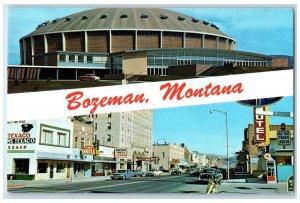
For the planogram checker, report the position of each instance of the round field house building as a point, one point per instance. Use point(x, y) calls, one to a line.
point(119, 42)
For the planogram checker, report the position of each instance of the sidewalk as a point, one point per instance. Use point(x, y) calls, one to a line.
point(245, 178)
point(32, 183)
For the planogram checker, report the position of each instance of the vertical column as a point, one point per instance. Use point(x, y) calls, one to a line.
point(24, 51)
point(85, 42)
point(76, 74)
point(32, 50)
point(203, 38)
point(226, 45)
point(135, 40)
point(63, 41)
point(183, 39)
point(57, 73)
point(217, 44)
point(161, 40)
point(46, 44)
point(110, 41)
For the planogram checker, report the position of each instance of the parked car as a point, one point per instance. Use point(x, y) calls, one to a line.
point(210, 174)
point(153, 172)
point(89, 77)
point(121, 174)
point(195, 172)
point(136, 173)
point(176, 172)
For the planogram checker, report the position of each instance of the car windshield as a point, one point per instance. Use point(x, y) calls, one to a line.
point(208, 170)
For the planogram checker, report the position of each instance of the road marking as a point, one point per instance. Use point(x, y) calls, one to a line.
point(120, 184)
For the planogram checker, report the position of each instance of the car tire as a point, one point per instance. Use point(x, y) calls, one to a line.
point(124, 177)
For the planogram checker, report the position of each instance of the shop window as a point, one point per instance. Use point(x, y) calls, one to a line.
point(60, 167)
point(42, 167)
point(21, 166)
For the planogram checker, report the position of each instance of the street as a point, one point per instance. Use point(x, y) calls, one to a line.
point(161, 184)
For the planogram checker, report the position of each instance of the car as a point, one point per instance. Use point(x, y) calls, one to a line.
point(121, 174)
point(210, 174)
point(176, 172)
point(89, 77)
point(195, 172)
point(137, 173)
point(153, 172)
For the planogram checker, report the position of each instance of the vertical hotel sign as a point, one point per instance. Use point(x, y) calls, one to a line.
point(259, 127)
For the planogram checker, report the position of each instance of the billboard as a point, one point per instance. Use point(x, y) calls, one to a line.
point(121, 153)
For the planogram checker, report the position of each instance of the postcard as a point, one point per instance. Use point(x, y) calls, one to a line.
point(188, 101)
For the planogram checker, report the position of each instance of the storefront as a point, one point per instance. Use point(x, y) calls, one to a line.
point(39, 150)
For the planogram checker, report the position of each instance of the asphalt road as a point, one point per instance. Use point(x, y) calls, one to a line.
point(162, 184)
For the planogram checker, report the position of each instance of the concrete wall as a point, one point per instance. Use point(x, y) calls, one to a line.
point(135, 63)
point(210, 42)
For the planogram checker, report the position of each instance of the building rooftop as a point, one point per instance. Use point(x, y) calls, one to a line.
point(127, 18)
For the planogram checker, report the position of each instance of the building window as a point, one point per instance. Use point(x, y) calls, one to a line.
point(21, 166)
point(80, 59)
point(76, 142)
point(108, 137)
point(62, 58)
point(89, 142)
point(109, 125)
point(60, 167)
point(96, 126)
point(82, 143)
point(71, 58)
point(61, 139)
point(42, 167)
point(109, 115)
point(46, 137)
point(163, 155)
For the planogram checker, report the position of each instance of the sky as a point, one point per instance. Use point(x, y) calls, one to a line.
point(205, 132)
point(260, 30)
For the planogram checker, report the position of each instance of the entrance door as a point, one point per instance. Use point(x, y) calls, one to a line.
point(51, 170)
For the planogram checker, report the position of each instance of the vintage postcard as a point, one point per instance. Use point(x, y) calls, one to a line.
point(143, 100)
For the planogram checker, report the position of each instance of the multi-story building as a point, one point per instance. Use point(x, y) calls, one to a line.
point(127, 131)
point(198, 159)
point(167, 156)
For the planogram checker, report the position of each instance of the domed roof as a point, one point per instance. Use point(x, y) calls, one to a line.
point(127, 19)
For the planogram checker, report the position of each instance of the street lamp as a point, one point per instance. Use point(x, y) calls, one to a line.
point(226, 115)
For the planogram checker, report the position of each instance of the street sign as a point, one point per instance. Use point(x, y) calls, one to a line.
point(121, 153)
point(259, 102)
point(284, 137)
point(290, 184)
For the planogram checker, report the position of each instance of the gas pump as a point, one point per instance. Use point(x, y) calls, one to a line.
point(271, 171)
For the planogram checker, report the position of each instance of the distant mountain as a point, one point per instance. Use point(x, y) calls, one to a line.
point(290, 58)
